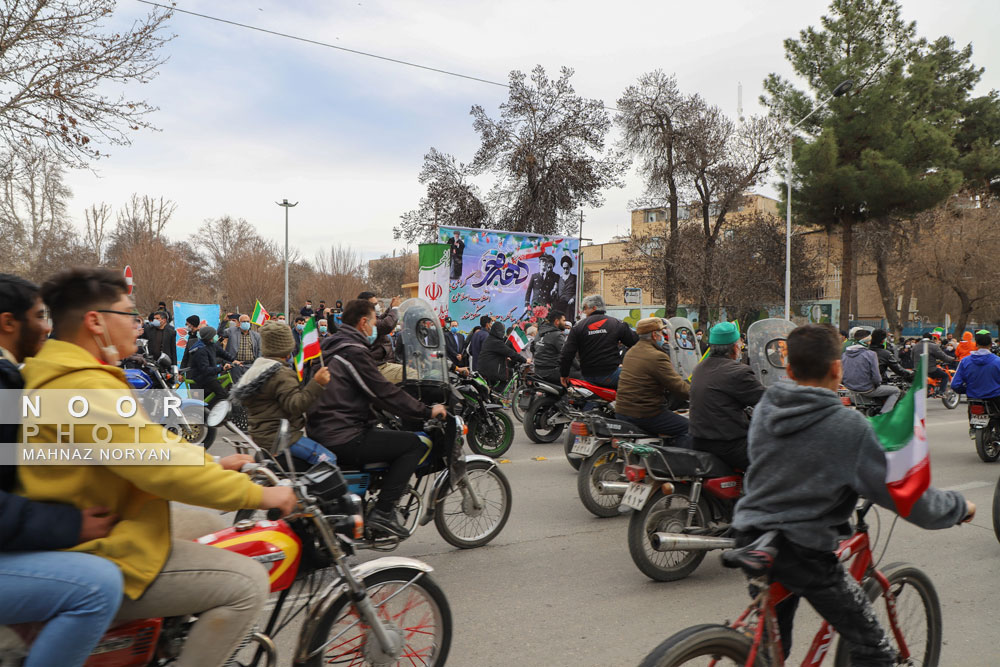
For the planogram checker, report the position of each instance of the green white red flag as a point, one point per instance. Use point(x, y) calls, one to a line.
point(518, 339)
point(259, 315)
point(903, 435)
point(308, 347)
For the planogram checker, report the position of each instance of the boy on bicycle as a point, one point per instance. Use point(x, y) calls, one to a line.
point(810, 459)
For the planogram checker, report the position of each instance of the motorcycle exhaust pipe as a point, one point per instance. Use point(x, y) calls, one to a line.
point(612, 488)
point(678, 542)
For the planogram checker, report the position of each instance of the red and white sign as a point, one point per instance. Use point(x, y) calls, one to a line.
point(128, 278)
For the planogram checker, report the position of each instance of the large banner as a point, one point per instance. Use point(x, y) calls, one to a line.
point(208, 313)
point(434, 264)
point(510, 276)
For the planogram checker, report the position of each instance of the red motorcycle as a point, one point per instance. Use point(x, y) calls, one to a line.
point(387, 611)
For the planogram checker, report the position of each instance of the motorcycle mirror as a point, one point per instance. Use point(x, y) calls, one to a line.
point(164, 360)
point(218, 413)
point(142, 344)
point(284, 434)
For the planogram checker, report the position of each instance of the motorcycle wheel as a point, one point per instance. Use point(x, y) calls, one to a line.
point(950, 399)
point(410, 602)
point(664, 514)
point(536, 421)
point(987, 444)
point(603, 465)
point(996, 511)
point(199, 433)
point(462, 525)
point(515, 409)
point(491, 436)
point(568, 447)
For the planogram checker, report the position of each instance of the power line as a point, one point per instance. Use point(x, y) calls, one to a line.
point(326, 44)
point(334, 46)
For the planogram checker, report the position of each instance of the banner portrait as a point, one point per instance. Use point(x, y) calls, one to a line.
point(433, 277)
point(510, 276)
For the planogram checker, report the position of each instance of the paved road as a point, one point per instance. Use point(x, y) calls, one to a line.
point(558, 589)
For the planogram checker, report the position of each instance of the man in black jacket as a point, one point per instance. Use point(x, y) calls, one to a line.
point(596, 339)
point(455, 344)
point(77, 594)
point(339, 420)
point(721, 389)
point(547, 347)
point(161, 337)
point(492, 360)
point(886, 359)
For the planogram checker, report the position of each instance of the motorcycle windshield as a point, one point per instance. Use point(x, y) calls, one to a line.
point(767, 349)
point(423, 353)
point(684, 353)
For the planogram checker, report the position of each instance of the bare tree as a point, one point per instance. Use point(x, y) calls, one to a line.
point(220, 238)
point(59, 68)
point(340, 274)
point(96, 218)
point(451, 200)
point(32, 207)
point(547, 151)
point(653, 115)
point(388, 273)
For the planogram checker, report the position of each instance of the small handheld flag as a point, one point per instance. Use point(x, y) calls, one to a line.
point(259, 315)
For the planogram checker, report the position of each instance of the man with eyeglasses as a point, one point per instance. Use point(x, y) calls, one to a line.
point(94, 325)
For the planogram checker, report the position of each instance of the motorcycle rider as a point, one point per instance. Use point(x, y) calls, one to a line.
point(547, 347)
point(493, 356)
point(478, 337)
point(94, 325)
point(596, 338)
point(648, 382)
point(978, 374)
point(886, 359)
point(861, 373)
point(810, 459)
point(966, 347)
point(929, 344)
point(205, 366)
point(721, 390)
point(162, 337)
point(340, 418)
point(33, 576)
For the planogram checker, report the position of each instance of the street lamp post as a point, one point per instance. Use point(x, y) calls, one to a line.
point(842, 88)
point(286, 205)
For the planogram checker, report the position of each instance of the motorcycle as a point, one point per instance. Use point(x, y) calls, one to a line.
point(552, 407)
point(767, 351)
point(984, 427)
point(150, 382)
point(387, 611)
point(467, 497)
point(949, 397)
point(600, 480)
point(491, 431)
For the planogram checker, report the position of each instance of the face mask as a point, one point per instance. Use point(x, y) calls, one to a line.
point(245, 326)
point(378, 308)
point(658, 343)
point(300, 327)
point(454, 330)
point(281, 319)
point(698, 336)
point(109, 353)
point(160, 323)
point(322, 329)
point(215, 338)
point(372, 336)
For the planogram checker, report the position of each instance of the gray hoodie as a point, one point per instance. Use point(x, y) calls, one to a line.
point(860, 368)
point(810, 459)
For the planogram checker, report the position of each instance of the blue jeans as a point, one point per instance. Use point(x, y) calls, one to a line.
point(75, 594)
point(311, 451)
point(610, 381)
point(665, 423)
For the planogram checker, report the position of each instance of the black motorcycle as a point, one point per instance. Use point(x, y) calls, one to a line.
point(491, 431)
point(984, 428)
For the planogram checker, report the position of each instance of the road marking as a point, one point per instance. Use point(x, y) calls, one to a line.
point(968, 486)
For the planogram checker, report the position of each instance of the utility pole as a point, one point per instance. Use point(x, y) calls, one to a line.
point(284, 203)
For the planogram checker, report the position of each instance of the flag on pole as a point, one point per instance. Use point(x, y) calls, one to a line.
point(518, 339)
point(308, 346)
point(903, 436)
point(259, 315)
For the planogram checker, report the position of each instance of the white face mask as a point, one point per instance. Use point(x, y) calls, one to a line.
point(109, 353)
point(378, 308)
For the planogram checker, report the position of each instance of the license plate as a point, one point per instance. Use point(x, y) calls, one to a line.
point(979, 420)
point(637, 495)
point(584, 446)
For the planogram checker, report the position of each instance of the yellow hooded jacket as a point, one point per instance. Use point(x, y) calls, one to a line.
point(140, 542)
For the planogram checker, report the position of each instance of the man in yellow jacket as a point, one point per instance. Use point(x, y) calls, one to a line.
point(94, 325)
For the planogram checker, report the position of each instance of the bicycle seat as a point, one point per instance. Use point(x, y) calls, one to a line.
point(755, 558)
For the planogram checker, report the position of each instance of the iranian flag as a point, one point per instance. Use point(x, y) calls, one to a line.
point(518, 339)
point(259, 315)
point(903, 436)
point(309, 348)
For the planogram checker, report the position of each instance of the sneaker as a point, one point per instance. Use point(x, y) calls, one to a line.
point(384, 522)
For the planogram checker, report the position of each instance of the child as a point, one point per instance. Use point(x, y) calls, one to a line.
point(803, 426)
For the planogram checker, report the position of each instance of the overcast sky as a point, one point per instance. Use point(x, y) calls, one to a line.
point(248, 119)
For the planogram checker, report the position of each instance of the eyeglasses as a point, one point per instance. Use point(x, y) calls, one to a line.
point(137, 319)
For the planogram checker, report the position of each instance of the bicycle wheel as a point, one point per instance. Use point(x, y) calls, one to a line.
point(918, 614)
point(417, 611)
point(703, 645)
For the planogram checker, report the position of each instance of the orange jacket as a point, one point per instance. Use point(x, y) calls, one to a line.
point(966, 347)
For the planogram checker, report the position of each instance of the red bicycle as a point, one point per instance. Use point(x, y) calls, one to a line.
point(911, 614)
